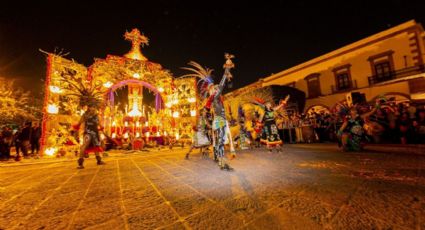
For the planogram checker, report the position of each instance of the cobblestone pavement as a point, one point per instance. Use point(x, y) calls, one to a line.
point(303, 187)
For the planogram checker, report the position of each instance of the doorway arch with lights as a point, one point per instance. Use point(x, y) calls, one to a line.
point(176, 99)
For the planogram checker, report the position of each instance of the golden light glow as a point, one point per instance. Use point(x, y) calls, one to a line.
point(168, 105)
point(176, 114)
point(177, 136)
point(52, 109)
point(192, 99)
point(136, 39)
point(165, 133)
point(146, 123)
point(55, 89)
point(136, 75)
point(102, 136)
point(125, 124)
point(147, 134)
point(137, 135)
point(135, 112)
point(125, 135)
point(158, 134)
point(137, 124)
point(161, 90)
point(192, 113)
point(50, 151)
point(114, 135)
point(114, 123)
point(107, 84)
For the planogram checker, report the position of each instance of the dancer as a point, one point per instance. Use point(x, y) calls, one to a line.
point(215, 102)
point(91, 138)
point(90, 97)
point(200, 135)
point(270, 135)
point(352, 133)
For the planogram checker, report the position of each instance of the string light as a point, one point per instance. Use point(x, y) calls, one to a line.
point(50, 151)
point(55, 89)
point(52, 109)
point(176, 114)
point(107, 84)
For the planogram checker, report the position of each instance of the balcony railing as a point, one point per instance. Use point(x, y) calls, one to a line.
point(352, 85)
point(396, 74)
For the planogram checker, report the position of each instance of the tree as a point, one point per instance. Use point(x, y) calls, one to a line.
point(13, 103)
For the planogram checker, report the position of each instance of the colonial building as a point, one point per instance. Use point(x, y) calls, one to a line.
point(388, 63)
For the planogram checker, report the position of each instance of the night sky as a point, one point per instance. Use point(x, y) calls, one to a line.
point(265, 37)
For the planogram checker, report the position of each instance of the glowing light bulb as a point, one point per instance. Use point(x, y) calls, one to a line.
point(52, 108)
point(107, 84)
point(114, 135)
point(55, 89)
point(176, 114)
point(125, 135)
point(192, 113)
point(161, 90)
point(50, 151)
point(136, 75)
point(192, 99)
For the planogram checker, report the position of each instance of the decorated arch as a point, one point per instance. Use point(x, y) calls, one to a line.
point(175, 99)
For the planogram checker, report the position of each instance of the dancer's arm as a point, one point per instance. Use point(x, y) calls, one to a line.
point(366, 115)
point(220, 86)
point(343, 126)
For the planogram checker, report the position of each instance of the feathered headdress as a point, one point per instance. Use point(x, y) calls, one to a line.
point(88, 93)
point(204, 75)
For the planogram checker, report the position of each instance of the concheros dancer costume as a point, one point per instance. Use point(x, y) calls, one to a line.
point(212, 94)
point(89, 95)
point(91, 139)
point(351, 133)
point(201, 138)
point(270, 134)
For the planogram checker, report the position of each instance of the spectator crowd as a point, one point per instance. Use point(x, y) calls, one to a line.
point(21, 141)
point(401, 123)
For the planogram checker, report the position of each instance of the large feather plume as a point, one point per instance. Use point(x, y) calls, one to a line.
point(204, 75)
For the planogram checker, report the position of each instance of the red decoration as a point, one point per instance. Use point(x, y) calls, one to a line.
point(96, 149)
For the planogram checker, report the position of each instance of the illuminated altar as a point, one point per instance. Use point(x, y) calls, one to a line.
point(175, 102)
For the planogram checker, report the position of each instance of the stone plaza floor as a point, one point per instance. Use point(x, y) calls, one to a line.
point(311, 186)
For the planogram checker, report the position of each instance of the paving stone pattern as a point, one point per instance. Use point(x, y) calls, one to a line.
point(303, 187)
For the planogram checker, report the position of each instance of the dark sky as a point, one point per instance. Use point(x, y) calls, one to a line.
point(266, 36)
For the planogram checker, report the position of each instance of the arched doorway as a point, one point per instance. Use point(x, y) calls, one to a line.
point(395, 97)
point(318, 109)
